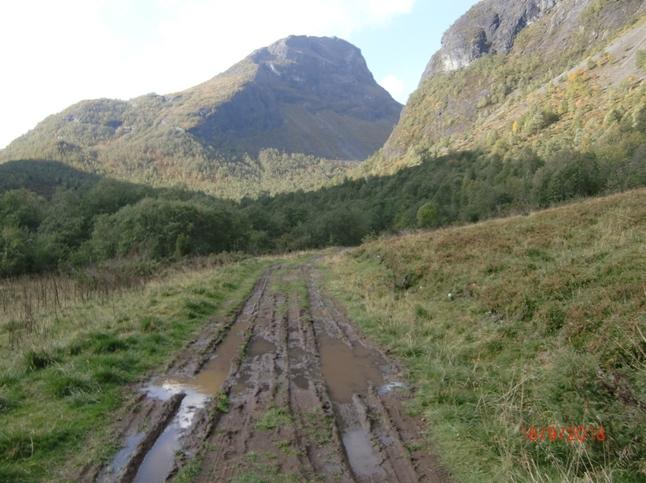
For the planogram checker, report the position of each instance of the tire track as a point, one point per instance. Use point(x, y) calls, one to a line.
point(173, 407)
point(304, 398)
point(256, 422)
point(309, 401)
point(366, 390)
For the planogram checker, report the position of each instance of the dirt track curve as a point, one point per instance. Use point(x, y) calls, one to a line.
point(289, 390)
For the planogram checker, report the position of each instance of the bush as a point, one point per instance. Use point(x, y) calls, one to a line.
point(342, 227)
point(639, 117)
point(35, 360)
point(567, 175)
point(538, 120)
point(427, 215)
point(21, 208)
point(160, 229)
point(15, 251)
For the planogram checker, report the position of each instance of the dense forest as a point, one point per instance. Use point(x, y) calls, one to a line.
point(54, 217)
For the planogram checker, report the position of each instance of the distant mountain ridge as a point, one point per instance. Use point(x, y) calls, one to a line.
point(295, 108)
point(517, 79)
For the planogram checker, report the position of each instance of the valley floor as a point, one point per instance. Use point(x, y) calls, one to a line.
point(254, 372)
point(290, 391)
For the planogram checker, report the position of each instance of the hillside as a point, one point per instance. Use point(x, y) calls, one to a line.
point(514, 77)
point(514, 326)
point(280, 276)
point(439, 354)
point(53, 217)
point(291, 115)
point(43, 177)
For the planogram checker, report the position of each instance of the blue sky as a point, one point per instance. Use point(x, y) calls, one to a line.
point(58, 53)
point(403, 47)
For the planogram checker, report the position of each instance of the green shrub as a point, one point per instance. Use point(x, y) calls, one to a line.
point(567, 175)
point(639, 117)
point(62, 384)
point(6, 404)
point(102, 343)
point(538, 120)
point(427, 215)
point(161, 229)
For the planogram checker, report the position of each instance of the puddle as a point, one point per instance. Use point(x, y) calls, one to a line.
point(124, 453)
point(300, 380)
point(199, 389)
point(348, 371)
point(390, 387)
point(361, 454)
point(159, 461)
point(260, 346)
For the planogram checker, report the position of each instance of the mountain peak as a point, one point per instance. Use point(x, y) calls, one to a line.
point(296, 48)
point(313, 60)
point(310, 96)
point(508, 63)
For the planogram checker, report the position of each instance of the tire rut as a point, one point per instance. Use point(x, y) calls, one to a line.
point(366, 388)
point(160, 428)
point(305, 398)
point(256, 424)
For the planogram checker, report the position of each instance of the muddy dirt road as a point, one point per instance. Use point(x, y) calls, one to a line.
point(289, 390)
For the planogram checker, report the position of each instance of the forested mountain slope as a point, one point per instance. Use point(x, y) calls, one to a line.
point(291, 115)
point(55, 217)
point(533, 76)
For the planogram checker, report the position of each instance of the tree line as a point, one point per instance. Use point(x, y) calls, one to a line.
point(53, 217)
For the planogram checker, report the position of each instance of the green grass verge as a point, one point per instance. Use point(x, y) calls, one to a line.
point(262, 467)
point(61, 388)
point(273, 419)
point(544, 325)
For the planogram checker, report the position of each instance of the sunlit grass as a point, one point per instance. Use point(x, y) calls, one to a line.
point(62, 385)
point(544, 325)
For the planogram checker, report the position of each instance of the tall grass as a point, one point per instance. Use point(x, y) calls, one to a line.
point(532, 320)
point(72, 345)
point(24, 301)
point(29, 302)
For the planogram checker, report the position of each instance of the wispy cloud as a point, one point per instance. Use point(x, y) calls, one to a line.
point(395, 86)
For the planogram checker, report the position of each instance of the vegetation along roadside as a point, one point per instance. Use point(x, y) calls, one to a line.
point(503, 325)
point(66, 374)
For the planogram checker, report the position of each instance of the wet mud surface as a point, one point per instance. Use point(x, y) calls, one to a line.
point(288, 390)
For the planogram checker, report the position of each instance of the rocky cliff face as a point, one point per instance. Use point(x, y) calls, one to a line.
point(308, 95)
point(501, 60)
point(489, 27)
point(301, 96)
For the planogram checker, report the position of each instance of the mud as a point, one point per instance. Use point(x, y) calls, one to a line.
point(347, 370)
point(290, 392)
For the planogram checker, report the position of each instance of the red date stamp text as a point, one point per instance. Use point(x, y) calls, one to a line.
point(569, 434)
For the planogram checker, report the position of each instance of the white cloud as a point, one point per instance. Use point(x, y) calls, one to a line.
point(395, 86)
point(57, 53)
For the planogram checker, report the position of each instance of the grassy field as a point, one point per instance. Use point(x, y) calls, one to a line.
point(503, 326)
point(530, 321)
point(68, 359)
